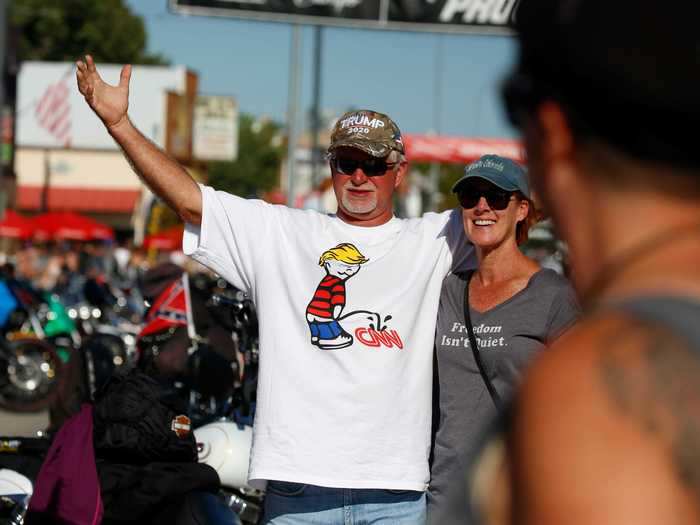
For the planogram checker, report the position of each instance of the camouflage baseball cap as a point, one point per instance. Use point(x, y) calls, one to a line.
point(372, 132)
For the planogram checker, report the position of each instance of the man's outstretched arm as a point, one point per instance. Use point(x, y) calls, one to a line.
point(163, 175)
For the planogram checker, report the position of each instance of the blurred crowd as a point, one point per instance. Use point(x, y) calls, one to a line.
point(64, 267)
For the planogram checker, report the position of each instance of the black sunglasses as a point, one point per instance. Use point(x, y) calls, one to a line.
point(371, 167)
point(497, 199)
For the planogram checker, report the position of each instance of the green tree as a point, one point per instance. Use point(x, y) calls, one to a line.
point(257, 168)
point(449, 174)
point(63, 30)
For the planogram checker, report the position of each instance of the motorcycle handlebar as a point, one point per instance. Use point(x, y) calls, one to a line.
point(223, 300)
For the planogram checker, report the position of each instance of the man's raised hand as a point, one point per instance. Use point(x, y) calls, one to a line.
point(110, 103)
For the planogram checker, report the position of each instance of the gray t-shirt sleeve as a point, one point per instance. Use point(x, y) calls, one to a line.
point(461, 247)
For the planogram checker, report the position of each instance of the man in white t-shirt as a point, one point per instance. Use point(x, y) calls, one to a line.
point(347, 306)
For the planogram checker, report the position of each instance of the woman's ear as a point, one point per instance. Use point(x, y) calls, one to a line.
point(523, 209)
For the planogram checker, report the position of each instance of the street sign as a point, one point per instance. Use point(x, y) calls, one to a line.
point(215, 128)
point(442, 16)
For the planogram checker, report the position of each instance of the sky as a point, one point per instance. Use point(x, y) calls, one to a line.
point(394, 72)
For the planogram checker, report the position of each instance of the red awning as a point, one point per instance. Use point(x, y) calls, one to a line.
point(66, 225)
point(434, 148)
point(168, 240)
point(16, 226)
point(79, 199)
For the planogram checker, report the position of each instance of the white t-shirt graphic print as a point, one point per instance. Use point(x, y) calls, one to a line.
point(357, 416)
point(326, 306)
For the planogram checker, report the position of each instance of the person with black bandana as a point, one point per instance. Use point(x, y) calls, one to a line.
point(605, 427)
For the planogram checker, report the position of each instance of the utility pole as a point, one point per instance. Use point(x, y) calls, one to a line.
point(292, 106)
point(5, 158)
point(316, 107)
point(434, 177)
point(3, 52)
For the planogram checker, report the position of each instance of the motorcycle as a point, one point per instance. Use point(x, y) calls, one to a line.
point(188, 341)
point(30, 374)
point(221, 398)
point(221, 392)
point(31, 358)
point(108, 342)
point(225, 446)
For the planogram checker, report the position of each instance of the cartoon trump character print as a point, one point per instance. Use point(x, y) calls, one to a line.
point(324, 310)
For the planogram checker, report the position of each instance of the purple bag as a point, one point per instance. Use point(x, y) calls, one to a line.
point(67, 489)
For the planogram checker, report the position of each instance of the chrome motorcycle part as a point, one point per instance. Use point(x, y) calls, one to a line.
point(30, 371)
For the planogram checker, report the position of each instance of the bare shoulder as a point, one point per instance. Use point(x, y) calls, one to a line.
point(606, 428)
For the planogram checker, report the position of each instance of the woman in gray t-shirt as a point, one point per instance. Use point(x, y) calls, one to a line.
point(515, 307)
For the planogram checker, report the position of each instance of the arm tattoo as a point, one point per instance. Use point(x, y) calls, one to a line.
point(653, 377)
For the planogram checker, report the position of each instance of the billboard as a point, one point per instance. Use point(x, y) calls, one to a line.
point(444, 16)
point(215, 128)
point(51, 112)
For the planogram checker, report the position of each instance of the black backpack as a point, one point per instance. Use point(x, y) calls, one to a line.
point(137, 420)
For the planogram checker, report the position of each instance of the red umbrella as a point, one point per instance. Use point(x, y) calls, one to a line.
point(169, 240)
point(66, 225)
point(16, 226)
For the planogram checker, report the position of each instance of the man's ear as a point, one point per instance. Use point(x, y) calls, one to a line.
point(400, 173)
point(551, 151)
point(557, 141)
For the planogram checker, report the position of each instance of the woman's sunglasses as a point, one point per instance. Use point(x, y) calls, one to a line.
point(497, 199)
point(371, 167)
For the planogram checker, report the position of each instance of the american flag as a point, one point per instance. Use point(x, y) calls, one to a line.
point(53, 111)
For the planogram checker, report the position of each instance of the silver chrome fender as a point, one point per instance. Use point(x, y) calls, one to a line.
point(13, 483)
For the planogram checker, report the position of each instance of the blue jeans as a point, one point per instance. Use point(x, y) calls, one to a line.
point(289, 503)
